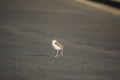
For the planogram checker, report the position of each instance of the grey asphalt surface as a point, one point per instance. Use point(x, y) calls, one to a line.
point(91, 38)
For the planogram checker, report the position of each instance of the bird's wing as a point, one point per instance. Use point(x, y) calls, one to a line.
point(58, 44)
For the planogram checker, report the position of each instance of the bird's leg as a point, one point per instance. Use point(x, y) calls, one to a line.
point(62, 52)
point(57, 54)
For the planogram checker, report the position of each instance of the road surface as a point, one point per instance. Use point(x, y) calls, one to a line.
point(91, 38)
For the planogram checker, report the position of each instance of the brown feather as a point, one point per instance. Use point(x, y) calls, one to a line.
point(59, 44)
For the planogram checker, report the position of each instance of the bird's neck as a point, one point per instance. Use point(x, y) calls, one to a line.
point(53, 42)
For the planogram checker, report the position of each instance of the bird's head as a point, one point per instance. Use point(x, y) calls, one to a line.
point(53, 40)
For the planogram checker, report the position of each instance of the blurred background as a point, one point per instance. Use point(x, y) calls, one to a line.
point(88, 29)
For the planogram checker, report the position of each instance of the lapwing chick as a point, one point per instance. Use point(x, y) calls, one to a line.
point(58, 47)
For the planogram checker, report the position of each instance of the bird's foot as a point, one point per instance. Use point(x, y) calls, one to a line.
point(56, 56)
point(62, 54)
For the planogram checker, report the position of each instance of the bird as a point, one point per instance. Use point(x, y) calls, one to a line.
point(58, 47)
